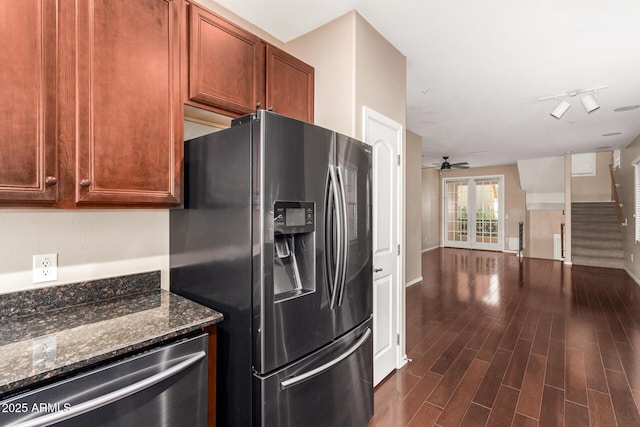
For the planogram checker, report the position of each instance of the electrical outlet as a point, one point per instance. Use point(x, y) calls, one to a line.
point(44, 351)
point(45, 268)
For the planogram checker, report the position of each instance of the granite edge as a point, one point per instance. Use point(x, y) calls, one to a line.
point(15, 386)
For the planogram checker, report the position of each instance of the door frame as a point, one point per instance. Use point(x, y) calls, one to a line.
point(368, 115)
point(501, 216)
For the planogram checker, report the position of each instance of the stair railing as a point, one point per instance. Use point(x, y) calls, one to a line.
point(562, 237)
point(616, 198)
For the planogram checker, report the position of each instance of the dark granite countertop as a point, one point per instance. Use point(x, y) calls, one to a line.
point(88, 323)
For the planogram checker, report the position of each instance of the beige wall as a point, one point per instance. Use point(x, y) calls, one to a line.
point(624, 177)
point(90, 244)
point(413, 260)
point(331, 50)
point(514, 197)
point(594, 188)
point(380, 76)
point(540, 228)
point(431, 230)
point(356, 67)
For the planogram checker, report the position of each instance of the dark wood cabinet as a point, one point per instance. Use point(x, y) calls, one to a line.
point(28, 165)
point(92, 94)
point(91, 103)
point(224, 63)
point(129, 147)
point(289, 85)
point(233, 72)
point(212, 374)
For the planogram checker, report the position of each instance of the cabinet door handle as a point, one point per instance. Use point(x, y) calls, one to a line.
point(377, 270)
point(85, 183)
point(51, 180)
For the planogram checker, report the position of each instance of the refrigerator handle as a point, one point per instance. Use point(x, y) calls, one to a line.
point(345, 236)
point(334, 203)
point(99, 402)
point(290, 382)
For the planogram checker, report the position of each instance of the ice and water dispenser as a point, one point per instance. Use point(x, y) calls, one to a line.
point(294, 249)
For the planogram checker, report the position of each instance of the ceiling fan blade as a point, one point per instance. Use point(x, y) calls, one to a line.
point(460, 164)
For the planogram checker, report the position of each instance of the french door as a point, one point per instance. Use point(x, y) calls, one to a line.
point(474, 213)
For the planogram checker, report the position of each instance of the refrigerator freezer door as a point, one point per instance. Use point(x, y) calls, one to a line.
point(353, 164)
point(291, 300)
point(331, 387)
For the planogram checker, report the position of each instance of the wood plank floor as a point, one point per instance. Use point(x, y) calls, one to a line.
point(497, 341)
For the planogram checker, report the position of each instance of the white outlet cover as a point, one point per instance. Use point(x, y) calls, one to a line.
point(45, 268)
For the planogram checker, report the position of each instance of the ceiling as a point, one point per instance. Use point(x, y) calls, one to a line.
point(475, 70)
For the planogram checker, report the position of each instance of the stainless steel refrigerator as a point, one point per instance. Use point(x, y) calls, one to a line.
point(276, 234)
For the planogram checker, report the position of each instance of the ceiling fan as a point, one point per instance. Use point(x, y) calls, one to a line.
point(448, 166)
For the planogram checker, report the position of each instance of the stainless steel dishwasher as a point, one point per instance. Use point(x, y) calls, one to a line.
point(166, 387)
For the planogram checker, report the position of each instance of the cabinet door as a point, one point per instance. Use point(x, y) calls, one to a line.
point(28, 171)
point(224, 64)
point(289, 85)
point(129, 112)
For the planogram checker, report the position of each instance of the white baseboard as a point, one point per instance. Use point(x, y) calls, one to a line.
point(569, 263)
point(430, 249)
point(633, 276)
point(413, 282)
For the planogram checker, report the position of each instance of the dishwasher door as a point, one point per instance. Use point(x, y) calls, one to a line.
point(164, 387)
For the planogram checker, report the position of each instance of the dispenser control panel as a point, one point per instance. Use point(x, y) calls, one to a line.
point(293, 217)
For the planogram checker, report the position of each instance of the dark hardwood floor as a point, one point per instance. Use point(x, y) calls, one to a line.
point(496, 341)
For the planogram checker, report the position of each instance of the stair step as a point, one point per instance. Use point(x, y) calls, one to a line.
point(595, 235)
point(608, 226)
point(611, 212)
point(596, 220)
point(608, 255)
point(597, 262)
point(584, 204)
point(590, 232)
point(587, 214)
point(593, 246)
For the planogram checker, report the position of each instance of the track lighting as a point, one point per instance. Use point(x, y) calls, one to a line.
point(589, 102)
point(561, 108)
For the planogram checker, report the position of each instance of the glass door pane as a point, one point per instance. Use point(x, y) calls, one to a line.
point(457, 208)
point(473, 213)
point(487, 211)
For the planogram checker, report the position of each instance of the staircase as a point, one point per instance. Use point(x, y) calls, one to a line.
point(596, 239)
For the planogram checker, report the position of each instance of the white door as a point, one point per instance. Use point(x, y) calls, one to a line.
point(473, 212)
point(385, 136)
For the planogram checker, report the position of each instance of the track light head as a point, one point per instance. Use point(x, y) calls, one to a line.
point(589, 103)
point(561, 108)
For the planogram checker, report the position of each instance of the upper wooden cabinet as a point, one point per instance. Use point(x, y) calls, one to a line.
point(92, 94)
point(233, 72)
point(224, 63)
point(28, 165)
point(129, 147)
point(90, 103)
point(289, 84)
